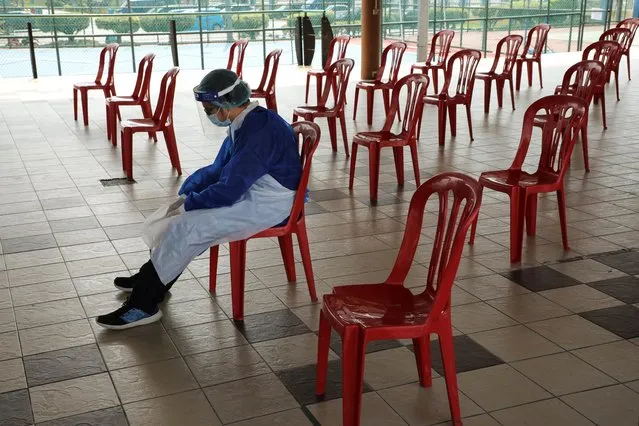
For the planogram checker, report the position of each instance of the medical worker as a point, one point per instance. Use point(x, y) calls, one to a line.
point(249, 188)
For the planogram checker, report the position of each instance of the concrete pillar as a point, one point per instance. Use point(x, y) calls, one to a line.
point(422, 31)
point(371, 37)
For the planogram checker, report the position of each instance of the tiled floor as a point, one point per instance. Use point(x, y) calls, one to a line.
point(554, 343)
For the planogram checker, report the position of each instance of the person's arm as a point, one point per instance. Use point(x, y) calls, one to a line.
point(244, 168)
point(208, 175)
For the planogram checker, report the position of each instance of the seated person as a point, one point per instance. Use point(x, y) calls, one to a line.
point(249, 187)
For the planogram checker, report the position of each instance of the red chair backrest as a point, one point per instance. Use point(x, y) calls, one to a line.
point(538, 33)
point(271, 63)
point(621, 36)
point(581, 79)
point(163, 113)
point(308, 135)
point(416, 86)
point(396, 51)
point(459, 198)
point(631, 24)
point(111, 51)
point(465, 62)
point(605, 52)
point(240, 47)
point(337, 77)
point(143, 82)
point(509, 48)
point(564, 115)
point(439, 48)
point(337, 47)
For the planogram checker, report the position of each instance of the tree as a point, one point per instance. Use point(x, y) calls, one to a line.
point(160, 24)
point(66, 25)
point(119, 25)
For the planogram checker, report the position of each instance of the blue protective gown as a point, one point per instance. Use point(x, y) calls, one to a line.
point(249, 187)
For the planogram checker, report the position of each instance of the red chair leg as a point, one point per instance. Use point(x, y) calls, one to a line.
point(351, 178)
point(355, 103)
point(473, 229)
point(519, 70)
point(286, 248)
point(108, 123)
point(308, 84)
point(323, 347)
point(517, 219)
point(415, 157)
point(529, 68)
point(85, 106)
point(452, 118)
point(487, 89)
point(238, 270)
point(512, 92)
point(147, 113)
point(561, 200)
point(353, 346)
point(114, 126)
point(441, 122)
point(603, 109)
point(318, 87)
point(373, 170)
point(617, 84)
point(628, 63)
point(421, 347)
point(541, 78)
point(386, 98)
point(370, 98)
point(450, 373)
point(342, 120)
point(584, 143)
point(332, 130)
point(75, 104)
point(499, 85)
point(214, 254)
point(302, 239)
point(435, 73)
point(531, 215)
point(398, 154)
point(470, 122)
point(127, 152)
point(171, 145)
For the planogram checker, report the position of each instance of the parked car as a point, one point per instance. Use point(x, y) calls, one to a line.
point(213, 22)
point(341, 11)
point(140, 6)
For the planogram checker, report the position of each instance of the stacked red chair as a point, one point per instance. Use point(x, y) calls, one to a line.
point(604, 52)
point(336, 51)
point(631, 24)
point(621, 36)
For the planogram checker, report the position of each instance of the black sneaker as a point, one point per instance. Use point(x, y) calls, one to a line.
point(125, 284)
point(128, 316)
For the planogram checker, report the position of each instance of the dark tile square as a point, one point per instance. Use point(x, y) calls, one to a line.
point(35, 242)
point(540, 278)
point(312, 208)
point(374, 346)
point(15, 408)
point(271, 325)
point(622, 320)
point(394, 188)
point(625, 289)
point(300, 382)
point(625, 262)
point(383, 199)
point(469, 355)
point(108, 417)
point(327, 195)
point(64, 364)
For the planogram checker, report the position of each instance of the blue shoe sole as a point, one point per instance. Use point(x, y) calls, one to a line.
point(149, 320)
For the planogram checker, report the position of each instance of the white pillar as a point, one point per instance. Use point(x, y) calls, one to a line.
point(422, 31)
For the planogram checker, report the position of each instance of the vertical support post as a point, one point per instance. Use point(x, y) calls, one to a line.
point(263, 31)
point(510, 21)
point(371, 41)
point(55, 39)
point(582, 23)
point(571, 26)
point(173, 40)
point(484, 38)
point(199, 9)
point(34, 68)
point(128, 3)
point(422, 31)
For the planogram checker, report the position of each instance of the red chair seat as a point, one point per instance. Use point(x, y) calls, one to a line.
point(372, 84)
point(123, 100)
point(140, 124)
point(385, 138)
point(519, 178)
point(88, 85)
point(434, 99)
point(316, 73)
point(316, 110)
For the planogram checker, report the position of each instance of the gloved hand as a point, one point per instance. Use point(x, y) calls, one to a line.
point(176, 205)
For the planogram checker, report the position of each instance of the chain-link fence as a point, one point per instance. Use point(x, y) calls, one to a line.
point(68, 34)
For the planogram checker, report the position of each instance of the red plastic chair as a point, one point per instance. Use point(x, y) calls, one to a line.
point(337, 77)
point(565, 118)
point(396, 51)
point(337, 47)
point(621, 36)
point(509, 48)
point(266, 88)
point(437, 57)
point(604, 52)
point(631, 24)
point(580, 80)
point(236, 57)
point(140, 96)
point(539, 34)
point(296, 224)
point(162, 121)
point(465, 63)
point(108, 87)
point(416, 86)
point(364, 313)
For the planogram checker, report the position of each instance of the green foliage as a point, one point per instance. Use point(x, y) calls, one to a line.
point(247, 22)
point(65, 25)
point(160, 24)
point(316, 19)
point(17, 23)
point(119, 25)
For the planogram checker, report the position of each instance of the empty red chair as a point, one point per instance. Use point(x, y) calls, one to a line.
point(336, 82)
point(236, 57)
point(162, 121)
point(266, 88)
point(631, 24)
point(604, 52)
point(140, 96)
point(465, 64)
point(336, 51)
point(508, 48)
point(365, 313)
point(382, 82)
point(537, 34)
point(296, 224)
point(580, 80)
point(108, 87)
point(415, 86)
point(564, 116)
point(621, 36)
point(437, 57)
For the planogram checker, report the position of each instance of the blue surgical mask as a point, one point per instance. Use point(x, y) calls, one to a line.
point(217, 122)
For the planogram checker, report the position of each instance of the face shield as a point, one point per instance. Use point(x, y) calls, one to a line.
point(215, 100)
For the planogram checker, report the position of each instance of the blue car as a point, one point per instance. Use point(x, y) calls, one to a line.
point(209, 22)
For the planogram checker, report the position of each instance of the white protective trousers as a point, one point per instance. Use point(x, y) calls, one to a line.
point(266, 204)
